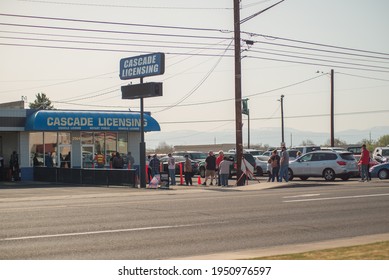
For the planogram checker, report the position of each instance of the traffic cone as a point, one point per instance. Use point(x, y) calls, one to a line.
point(199, 180)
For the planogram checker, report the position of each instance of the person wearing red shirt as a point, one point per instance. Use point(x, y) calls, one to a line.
point(364, 162)
point(219, 159)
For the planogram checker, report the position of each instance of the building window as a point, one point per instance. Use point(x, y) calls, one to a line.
point(51, 148)
point(36, 148)
point(110, 144)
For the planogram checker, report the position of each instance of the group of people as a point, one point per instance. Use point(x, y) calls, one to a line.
point(277, 166)
point(154, 166)
point(217, 168)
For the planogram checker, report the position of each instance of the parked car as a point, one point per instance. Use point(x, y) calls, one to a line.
point(306, 149)
point(261, 164)
point(197, 156)
point(326, 164)
point(381, 154)
point(356, 149)
point(291, 152)
point(380, 171)
point(179, 160)
point(333, 149)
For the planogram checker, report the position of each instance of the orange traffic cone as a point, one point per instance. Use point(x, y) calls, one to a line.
point(199, 180)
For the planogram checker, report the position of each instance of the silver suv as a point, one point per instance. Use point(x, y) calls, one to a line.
point(326, 164)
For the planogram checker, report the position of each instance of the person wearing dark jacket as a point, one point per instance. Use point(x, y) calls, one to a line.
point(117, 161)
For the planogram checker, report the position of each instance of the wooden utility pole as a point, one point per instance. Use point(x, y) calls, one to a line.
point(238, 95)
point(332, 109)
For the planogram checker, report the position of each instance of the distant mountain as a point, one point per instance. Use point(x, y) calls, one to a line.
point(265, 136)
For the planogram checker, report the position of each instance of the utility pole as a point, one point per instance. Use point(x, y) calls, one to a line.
point(332, 109)
point(238, 95)
point(238, 86)
point(282, 119)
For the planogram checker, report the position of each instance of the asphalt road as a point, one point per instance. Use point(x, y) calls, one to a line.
point(65, 222)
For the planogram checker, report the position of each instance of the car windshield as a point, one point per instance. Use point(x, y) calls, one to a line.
point(385, 152)
point(347, 156)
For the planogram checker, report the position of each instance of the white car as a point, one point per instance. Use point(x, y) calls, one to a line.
point(326, 164)
point(261, 162)
point(381, 154)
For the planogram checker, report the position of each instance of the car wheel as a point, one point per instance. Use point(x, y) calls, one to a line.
point(304, 178)
point(383, 174)
point(202, 172)
point(259, 171)
point(290, 174)
point(329, 174)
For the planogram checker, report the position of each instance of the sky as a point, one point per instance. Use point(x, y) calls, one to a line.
point(70, 50)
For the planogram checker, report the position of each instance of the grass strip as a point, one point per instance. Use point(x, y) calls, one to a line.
point(373, 251)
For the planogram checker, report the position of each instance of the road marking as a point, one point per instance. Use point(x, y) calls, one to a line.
point(339, 197)
point(96, 232)
point(303, 195)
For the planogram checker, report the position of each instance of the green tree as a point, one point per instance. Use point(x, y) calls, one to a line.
point(383, 141)
point(42, 102)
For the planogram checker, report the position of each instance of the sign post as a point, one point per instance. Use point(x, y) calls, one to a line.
point(140, 67)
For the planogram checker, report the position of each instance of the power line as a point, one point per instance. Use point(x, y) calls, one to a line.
point(113, 23)
point(126, 6)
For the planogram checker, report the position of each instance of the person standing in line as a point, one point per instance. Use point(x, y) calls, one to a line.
point(171, 165)
point(364, 162)
point(1, 168)
point(100, 160)
point(284, 164)
point(219, 159)
point(35, 160)
point(14, 165)
point(269, 170)
point(224, 171)
point(154, 165)
point(188, 170)
point(210, 167)
point(130, 159)
point(117, 162)
point(49, 160)
point(275, 165)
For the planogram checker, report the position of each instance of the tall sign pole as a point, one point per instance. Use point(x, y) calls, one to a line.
point(140, 67)
point(238, 95)
point(142, 145)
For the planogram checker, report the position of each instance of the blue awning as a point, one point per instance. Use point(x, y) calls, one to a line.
point(55, 120)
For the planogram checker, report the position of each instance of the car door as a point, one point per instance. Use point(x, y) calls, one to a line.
point(318, 164)
point(301, 167)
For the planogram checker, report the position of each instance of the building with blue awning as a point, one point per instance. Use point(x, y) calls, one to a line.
point(69, 138)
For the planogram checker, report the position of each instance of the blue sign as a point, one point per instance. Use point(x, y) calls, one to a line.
point(142, 66)
point(54, 120)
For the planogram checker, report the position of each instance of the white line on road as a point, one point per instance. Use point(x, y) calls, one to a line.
point(339, 197)
point(96, 232)
point(303, 195)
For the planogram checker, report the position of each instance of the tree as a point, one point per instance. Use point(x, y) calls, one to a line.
point(307, 143)
point(163, 148)
point(337, 143)
point(383, 141)
point(42, 102)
